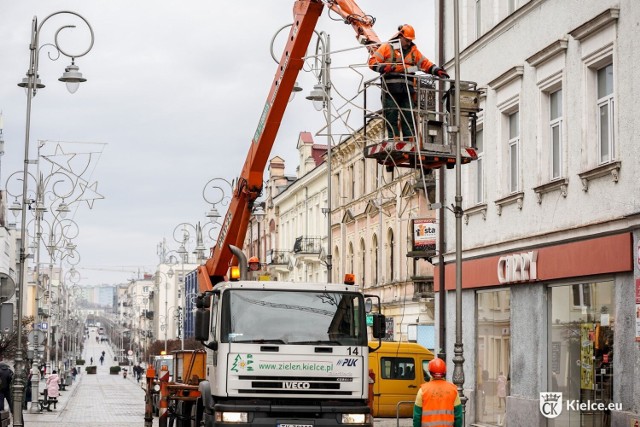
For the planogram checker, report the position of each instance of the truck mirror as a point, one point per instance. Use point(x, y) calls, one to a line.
point(202, 324)
point(379, 325)
point(203, 301)
point(368, 304)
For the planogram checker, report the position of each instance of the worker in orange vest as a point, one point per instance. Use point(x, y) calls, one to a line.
point(393, 60)
point(437, 403)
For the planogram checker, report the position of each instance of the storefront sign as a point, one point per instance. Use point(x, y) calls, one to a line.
point(586, 357)
point(522, 267)
point(424, 234)
point(637, 310)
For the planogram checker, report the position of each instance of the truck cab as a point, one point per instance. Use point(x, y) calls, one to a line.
point(285, 353)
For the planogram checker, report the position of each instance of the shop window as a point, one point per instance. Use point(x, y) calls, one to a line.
point(580, 349)
point(493, 355)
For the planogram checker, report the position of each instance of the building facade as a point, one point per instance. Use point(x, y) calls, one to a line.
point(371, 211)
point(550, 265)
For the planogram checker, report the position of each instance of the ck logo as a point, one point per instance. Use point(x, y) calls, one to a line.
point(347, 362)
point(550, 404)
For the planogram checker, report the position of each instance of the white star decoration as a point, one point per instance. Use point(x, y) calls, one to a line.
point(61, 159)
point(89, 193)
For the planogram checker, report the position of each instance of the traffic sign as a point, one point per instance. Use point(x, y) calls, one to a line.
point(43, 326)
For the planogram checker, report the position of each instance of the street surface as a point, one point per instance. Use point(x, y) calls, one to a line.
point(95, 400)
point(110, 400)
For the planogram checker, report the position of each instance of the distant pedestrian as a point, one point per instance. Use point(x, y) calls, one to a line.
point(53, 384)
point(101, 360)
point(27, 390)
point(6, 376)
point(502, 390)
point(138, 372)
point(74, 372)
point(91, 360)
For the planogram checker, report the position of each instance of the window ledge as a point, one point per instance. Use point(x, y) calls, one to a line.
point(590, 27)
point(474, 210)
point(612, 169)
point(548, 52)
point(516, 198)
point(555, 185)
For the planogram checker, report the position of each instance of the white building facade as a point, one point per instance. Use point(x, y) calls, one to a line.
point(551, 211)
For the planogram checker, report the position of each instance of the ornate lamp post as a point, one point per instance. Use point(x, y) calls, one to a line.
point(32, 83)
point(321, 97)
point(165, 278)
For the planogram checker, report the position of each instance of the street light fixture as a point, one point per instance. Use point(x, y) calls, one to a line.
point(32, 84)
point(321, 97)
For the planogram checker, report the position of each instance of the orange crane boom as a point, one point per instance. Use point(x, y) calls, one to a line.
point(249, 184)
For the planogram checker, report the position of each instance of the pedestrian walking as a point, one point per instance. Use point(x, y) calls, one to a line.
point(27, 390)
point(74, 372)
point(53, 384)
point(92, 360)
point(437, 402)
point(101, 360)
point(6, 377)
point(502, 390)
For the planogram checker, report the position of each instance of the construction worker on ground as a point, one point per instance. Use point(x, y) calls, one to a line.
point(394, 60)
point(437, 403)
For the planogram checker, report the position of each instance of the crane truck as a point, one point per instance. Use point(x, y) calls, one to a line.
point(279, 353)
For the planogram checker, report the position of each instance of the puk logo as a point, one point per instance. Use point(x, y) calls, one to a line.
point(550, 404)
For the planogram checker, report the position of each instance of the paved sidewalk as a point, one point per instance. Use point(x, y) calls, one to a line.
point(103, 400)
point(96, 400)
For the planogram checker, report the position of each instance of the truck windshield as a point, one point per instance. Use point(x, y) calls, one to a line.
point(293, 317)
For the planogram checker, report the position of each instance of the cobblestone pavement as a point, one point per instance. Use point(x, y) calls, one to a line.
point(95, 400)
point(103, 400)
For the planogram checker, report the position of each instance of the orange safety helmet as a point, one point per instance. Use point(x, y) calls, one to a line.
point(437, 368)
point(407, 32)
point(254, 263)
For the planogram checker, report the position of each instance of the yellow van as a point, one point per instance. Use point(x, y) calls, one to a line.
point(400, 368)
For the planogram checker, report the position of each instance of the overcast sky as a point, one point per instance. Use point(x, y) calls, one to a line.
point(173, 98)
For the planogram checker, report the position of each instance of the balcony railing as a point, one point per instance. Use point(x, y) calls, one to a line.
point(277, 257)
point(307, 245)
point(423, 287)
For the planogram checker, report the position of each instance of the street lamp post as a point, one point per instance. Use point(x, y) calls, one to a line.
point(321, 97)
point(458, 350)
point(166, 277)
point(32, 83)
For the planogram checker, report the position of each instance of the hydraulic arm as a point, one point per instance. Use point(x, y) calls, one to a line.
point(249, 184)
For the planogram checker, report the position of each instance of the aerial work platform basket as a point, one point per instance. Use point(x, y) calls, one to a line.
point(429, 116)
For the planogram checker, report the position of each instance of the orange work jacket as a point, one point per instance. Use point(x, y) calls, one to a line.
point(439, 397)
point(389, 60)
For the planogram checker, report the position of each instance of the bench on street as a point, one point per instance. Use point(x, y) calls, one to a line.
point(46, 402)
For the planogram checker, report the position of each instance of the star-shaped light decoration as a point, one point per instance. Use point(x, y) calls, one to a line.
point(89, 193)
point(61, 159)
point(341, 119)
